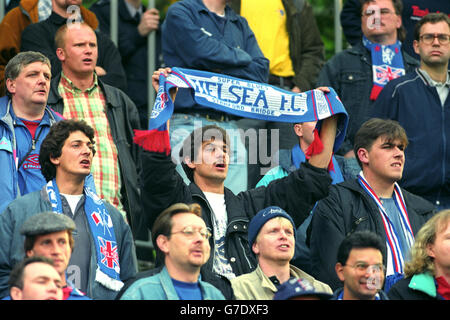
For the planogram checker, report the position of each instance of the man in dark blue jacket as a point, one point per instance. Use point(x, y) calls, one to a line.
point(208, 35)
point(420, 102)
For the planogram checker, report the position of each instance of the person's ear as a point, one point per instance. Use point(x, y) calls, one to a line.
point(15, 293)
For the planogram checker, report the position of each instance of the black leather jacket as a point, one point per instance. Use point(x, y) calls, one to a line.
point(348, 208)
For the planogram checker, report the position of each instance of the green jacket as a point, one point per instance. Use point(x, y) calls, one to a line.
point(257, 286)
point(305, 44)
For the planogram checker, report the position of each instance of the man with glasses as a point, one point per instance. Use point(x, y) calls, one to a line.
point(359, 73)
point(182, 244)
point(360, 267)
point(420, 102)
point(271, 236)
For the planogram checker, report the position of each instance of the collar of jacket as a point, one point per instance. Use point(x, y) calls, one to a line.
point(30, 9)
point(54, 99)
point(229, 13)
point(424, 282)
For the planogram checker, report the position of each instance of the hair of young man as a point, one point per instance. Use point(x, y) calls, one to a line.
point(420, 261)
point(430, 18)
point(20, 61)
point(17, 273)
point(31, 240)
point(360, 240)
point(60, 35)
point(163, 224)
point(374, 128)
point(193, 143)
point(398, 7)
point(54, 141)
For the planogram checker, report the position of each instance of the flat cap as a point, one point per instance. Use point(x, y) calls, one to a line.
point(46, 222)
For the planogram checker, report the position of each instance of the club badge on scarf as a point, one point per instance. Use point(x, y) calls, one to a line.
point(246, 99)
point(387, 64)
point(101, 226)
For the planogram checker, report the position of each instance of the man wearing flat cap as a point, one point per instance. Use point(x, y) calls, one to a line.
point(49, 234)
point(271, 236)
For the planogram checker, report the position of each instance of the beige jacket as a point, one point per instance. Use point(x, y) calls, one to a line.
point(257, 286)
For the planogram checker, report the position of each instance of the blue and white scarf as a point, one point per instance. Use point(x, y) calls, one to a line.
point(387, 64)
point(247, 99)
point(395, 257)
point(102, 230)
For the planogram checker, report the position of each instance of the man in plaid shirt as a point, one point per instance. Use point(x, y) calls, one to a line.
point(78, 93)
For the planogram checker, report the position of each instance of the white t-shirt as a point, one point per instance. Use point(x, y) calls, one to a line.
point(220, 220)
point(73, 201)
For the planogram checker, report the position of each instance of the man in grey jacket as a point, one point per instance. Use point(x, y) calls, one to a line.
point(105, 253)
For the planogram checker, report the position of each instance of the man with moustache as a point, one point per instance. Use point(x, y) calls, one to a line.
point(181, 239)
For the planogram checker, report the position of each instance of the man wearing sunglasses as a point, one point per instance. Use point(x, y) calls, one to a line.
point(420, 102)
point(181, 242)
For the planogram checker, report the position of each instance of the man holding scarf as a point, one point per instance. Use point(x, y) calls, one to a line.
point(105, 253)
point(373, 201)
point(205, 156)
point(359, 73)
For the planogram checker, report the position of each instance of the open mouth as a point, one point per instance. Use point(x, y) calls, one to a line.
point(85, 163)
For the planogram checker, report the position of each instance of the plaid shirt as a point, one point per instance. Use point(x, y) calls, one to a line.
point(90, 106)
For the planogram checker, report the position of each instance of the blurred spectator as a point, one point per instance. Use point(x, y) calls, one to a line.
point(300, 289)
point(78, 93)
point(208, 35)
point(182, 242)
point(105, 252)
point(374, 201)
point(41, 37)
point(293, 45)
point(426, 274)
point(271, 236)
point(16, 19)
point(135, 24)
point(420, 102)
point(35, 278)
point(358, 74)
point(360, 266)
point(26, 120)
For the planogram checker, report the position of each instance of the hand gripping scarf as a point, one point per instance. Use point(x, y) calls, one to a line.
point(241, 98)
point(102, 231)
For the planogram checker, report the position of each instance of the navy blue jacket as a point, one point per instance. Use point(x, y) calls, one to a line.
point(349, 73)
point(416, 106)
point(193, 38)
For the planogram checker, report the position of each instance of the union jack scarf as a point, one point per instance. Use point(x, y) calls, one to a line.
point(102, 229)
point(395, 257)
point(387, 64)
point(242, 98)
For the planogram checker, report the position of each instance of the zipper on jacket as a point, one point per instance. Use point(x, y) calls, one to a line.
point(355, 224)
